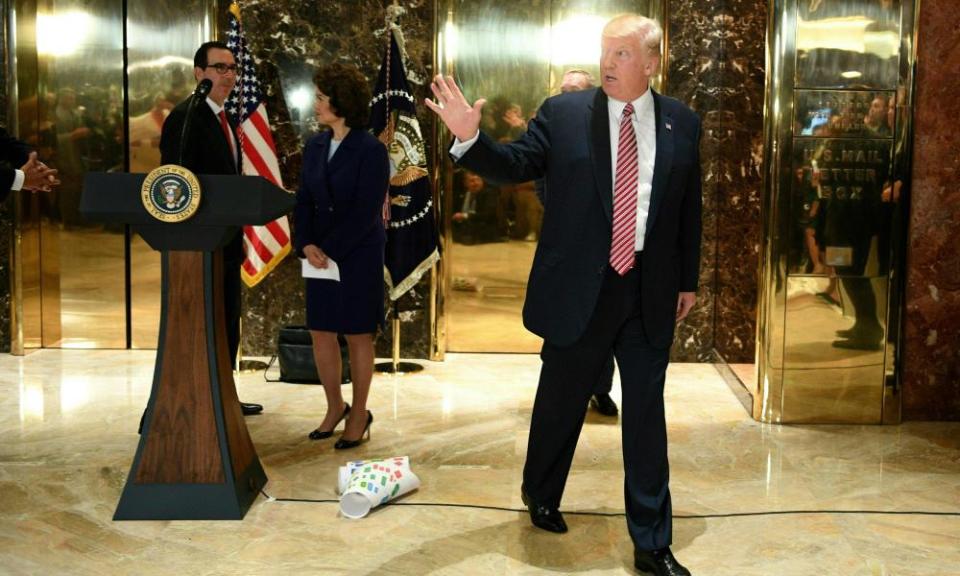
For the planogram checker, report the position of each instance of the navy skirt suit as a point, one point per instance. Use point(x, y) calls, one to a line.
point(340, 210)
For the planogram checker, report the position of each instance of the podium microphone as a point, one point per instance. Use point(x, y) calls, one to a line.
point(203, 88)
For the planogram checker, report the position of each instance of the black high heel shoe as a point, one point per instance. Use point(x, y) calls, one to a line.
point(319, 434)
point(344, 444)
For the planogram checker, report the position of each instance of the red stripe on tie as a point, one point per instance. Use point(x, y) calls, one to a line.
point(624, 233)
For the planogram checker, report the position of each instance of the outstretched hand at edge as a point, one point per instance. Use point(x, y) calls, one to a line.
point(462, 119)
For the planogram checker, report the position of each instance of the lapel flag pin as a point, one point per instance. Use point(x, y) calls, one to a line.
point(669, 126)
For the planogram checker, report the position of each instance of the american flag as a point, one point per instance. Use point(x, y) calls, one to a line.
point(264, 246)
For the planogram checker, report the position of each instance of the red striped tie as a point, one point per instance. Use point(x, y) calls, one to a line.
point(625, 197)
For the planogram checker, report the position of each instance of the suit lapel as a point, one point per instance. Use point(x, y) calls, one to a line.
point(662, 163)
point(340, 156)
point(212, 125)
point(236, 141)
point(324, 144)
point(598, 124)
point(323, 147)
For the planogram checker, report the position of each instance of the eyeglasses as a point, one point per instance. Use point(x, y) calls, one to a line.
point(222, 68)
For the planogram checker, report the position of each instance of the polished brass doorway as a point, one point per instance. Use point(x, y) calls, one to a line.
point(514, 55)
point(93, 81)
point(838, 129)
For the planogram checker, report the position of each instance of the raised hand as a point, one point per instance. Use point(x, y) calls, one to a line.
point(37, 175)
point(462, 119)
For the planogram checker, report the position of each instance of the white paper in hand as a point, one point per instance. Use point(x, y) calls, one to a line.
point(331, 272)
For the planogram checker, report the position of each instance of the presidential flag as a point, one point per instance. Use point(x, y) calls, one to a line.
point(264, 246)
point(411, 247)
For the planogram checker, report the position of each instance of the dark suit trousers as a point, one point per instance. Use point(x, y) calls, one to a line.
point(568, 377)
point(232, 261)
point(605, 381)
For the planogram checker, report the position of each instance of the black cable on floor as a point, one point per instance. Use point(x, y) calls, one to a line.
point(623, 514)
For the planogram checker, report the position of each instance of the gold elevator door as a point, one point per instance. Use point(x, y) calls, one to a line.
point(94, 82)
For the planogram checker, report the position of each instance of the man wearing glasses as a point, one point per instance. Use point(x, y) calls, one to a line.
point(211, 147)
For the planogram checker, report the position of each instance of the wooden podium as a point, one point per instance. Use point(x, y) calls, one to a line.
point(195, 460)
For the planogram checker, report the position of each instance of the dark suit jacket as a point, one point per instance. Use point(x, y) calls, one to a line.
point(207, 152)
point(13, 154)
point(568, 144)
point(339, 202)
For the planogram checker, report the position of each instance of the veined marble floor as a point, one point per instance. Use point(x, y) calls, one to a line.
point(68, 424)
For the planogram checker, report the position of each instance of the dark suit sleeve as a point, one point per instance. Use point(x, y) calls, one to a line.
point(522, 160)
point(196, 155)
point(690, 223)
point(303, 212)
point(364, 213)
point(170, 137)
point(6, 181)
point(540, 188)
point(16, 152)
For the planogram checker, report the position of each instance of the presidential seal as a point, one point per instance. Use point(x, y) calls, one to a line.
point(171, 193)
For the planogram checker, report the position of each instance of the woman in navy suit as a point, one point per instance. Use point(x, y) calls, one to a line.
point(339, 218)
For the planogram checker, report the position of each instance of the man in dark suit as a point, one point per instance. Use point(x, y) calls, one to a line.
point(574, 80)
point(616, 267)
point(30, 174)
point(211, 147)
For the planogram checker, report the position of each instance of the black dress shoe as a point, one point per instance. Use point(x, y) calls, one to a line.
point(543, 517)
point(319, 434)
point(344, 444)
point(659, 562)
point(248, 408)
point(604, 404)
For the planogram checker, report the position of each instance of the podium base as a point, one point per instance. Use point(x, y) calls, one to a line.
point(225, 501)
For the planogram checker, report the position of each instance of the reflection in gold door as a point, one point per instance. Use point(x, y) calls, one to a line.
point(837, 160)
point(80, 111)
point(514, 55)
point(88, 101)
point(159, 76)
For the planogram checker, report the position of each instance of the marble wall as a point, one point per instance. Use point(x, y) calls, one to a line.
point(290, 39)
point(716, 66)
point(931, 361)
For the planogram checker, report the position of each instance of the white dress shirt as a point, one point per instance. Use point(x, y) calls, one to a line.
point(18, 179)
